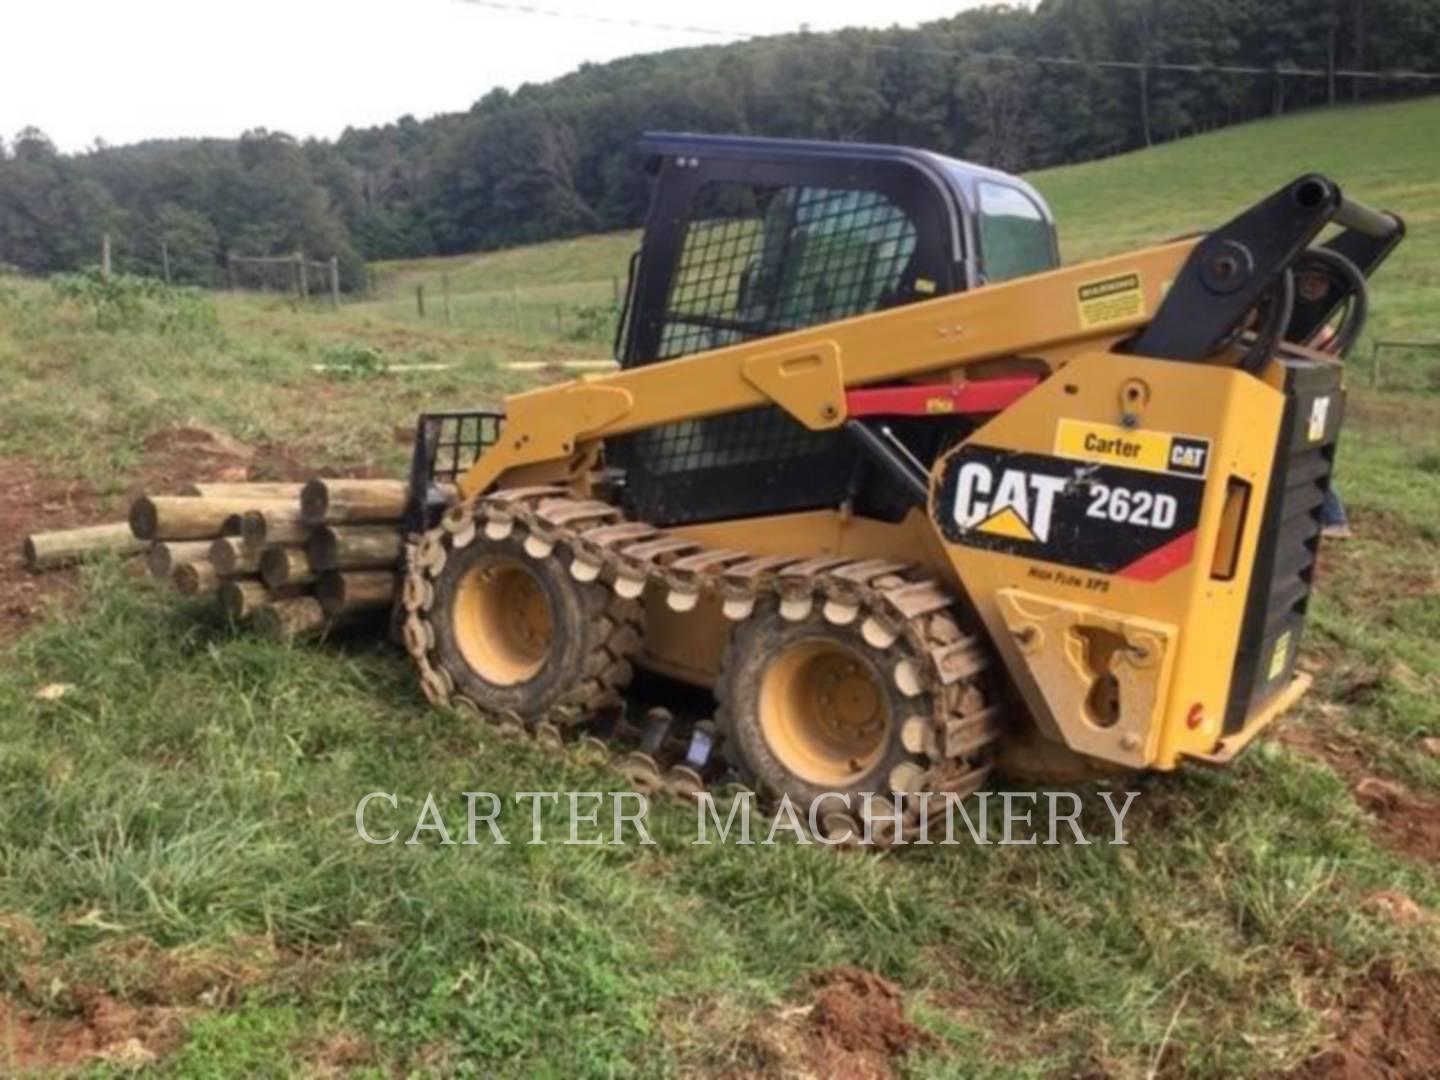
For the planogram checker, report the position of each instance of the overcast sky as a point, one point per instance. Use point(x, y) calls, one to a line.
point(122, 71)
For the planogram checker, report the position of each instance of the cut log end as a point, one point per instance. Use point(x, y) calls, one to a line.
point(243, 599)
point(314, 502)
point(196, 578)
point(164, 556)
point(281, 566)
point(290, 619)
point(341, 501)
point(358, 547)
point(144, 518)
point(344, 592)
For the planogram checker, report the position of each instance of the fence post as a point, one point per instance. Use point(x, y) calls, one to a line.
point(335, 282)
point(105, 255)
point(165, 260)
point(420, 300)
point(445, 288)
point(1375, 366)
point(230, 268)
point(304, 267)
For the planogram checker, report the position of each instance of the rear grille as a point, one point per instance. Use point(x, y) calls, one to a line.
point(1289, 539)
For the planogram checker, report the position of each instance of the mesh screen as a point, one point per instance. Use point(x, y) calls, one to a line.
point(758, 260)
point(763, 260)
point(451, 442)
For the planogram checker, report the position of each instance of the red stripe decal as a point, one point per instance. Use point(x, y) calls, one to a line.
point(1163, 560)
point(939, 399)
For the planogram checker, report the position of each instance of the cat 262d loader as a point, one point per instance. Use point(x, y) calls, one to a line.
point(914, 500)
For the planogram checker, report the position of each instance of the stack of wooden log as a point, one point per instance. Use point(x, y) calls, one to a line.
point(294, 560)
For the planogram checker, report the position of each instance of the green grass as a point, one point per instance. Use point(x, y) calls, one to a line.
point(179, 826)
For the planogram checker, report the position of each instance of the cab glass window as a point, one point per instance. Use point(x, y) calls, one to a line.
point(1015, 238)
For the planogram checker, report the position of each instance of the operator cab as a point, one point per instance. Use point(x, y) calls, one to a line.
point(749, 237)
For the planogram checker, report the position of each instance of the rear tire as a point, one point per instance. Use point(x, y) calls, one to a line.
point(810, 707)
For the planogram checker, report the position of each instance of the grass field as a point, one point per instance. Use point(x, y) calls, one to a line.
point(182, 890)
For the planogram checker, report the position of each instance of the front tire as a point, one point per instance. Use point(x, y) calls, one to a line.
point(519, 635)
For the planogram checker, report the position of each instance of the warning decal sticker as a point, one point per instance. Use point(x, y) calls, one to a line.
point(1135, 448)
point(1112, 299)
point(1130, 522)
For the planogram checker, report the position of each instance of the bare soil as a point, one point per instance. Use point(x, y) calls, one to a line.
point(29, 504)
point(854, 1027)
point(1405, 821)
point(1387, 1027)
point(103, 1030)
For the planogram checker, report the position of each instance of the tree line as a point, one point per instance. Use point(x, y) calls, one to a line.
point(1011, 87)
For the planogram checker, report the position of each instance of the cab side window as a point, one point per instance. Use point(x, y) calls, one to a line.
point(1015, 238)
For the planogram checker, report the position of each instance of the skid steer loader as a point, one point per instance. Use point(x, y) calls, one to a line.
point(910, 497)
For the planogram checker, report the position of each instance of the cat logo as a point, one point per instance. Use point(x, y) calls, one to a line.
point(1188, 455)
point(1018, 505)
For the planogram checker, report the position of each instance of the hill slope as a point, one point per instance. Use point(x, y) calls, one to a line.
point(1387, 156)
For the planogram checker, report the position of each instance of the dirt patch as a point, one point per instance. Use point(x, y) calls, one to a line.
point(853, 1027)
point(103, 1029)
point(30, 504)
point(1405, 821)
point(184, 455)
point(1387, 1027)
point(339, 1055)
point(1408, 823)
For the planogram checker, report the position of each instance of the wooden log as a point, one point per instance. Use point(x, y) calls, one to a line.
point(281, 566)
point(342, 592)
point(356, 547)
point(289, 619)
point(256, 491)
point(45, 551)
point(165, 556)
point(181, 517)
point(230, 555)
point(274, 525)
point(231, 525)
point(198, 578)
point(341, 502)
point(242, 598)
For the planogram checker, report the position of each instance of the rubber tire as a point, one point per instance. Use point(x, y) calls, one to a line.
point(580, 665)
point(754, 644)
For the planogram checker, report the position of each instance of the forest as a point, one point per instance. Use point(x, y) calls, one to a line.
point(1013, 87)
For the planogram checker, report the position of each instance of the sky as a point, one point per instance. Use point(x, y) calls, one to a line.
point(82, 70)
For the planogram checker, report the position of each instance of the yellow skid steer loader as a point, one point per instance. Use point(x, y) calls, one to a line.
point(910, 497)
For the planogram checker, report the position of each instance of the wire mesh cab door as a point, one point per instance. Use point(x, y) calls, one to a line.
point(751, 237)
point(747, 238)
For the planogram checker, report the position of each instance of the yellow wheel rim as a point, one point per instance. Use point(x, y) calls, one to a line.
point(502, 621)
point(824, 713)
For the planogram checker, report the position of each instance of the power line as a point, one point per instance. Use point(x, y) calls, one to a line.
point(1197, 68)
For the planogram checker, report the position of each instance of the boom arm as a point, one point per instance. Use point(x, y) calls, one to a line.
point(806, 372)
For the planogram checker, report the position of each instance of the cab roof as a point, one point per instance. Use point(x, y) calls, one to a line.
point(958, 178)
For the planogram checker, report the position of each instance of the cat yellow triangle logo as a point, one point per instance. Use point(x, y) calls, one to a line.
point(1007, 523)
